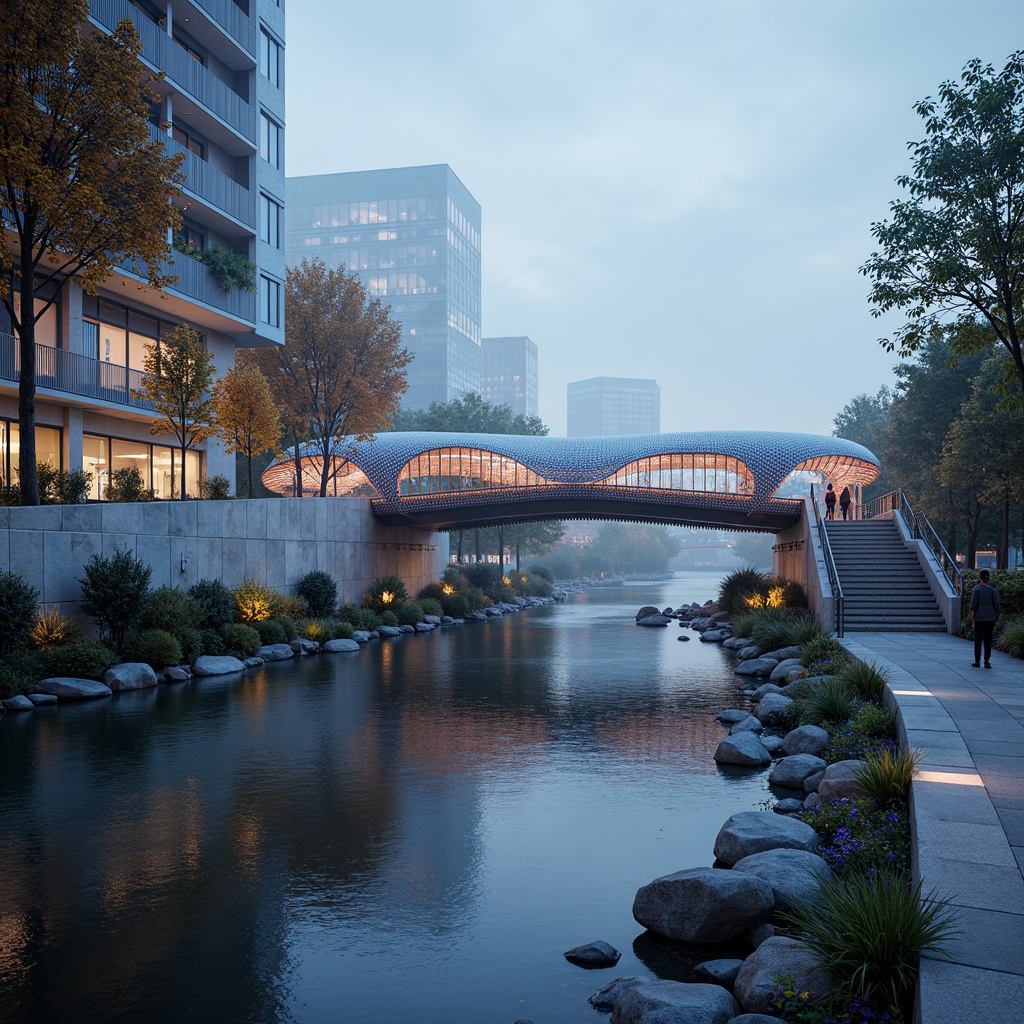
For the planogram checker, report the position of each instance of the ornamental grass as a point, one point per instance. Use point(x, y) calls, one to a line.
point(886, 774)
point(866, 681)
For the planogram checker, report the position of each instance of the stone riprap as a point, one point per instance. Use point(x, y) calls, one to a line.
point(751, 832)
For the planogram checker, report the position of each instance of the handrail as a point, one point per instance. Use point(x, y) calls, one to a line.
point(838, 601)
point(921, 529)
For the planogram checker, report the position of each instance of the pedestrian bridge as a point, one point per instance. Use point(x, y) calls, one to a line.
point(445, 481)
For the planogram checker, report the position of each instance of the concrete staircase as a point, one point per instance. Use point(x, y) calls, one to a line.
point(884, 586)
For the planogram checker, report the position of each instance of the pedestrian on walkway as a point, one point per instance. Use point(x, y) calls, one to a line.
point(984, 612)
point(845, 499)
point(830, 503)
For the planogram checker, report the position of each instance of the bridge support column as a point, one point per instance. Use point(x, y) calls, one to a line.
point(797, 556)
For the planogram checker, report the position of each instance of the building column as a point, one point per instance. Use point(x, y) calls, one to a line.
point(71, 438)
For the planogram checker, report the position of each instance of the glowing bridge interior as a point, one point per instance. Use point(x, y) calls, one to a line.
point(448, 481)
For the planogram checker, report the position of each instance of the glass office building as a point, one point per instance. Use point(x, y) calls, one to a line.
point(607, 406)
point(412, 234)
point(509, 374)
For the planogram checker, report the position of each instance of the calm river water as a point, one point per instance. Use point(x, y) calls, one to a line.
point(413, 833)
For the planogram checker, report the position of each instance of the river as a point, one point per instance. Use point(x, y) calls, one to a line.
point(413, 833)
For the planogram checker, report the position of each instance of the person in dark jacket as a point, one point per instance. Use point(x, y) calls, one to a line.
point(830, 503)
point(984, 612)
point(845, 500)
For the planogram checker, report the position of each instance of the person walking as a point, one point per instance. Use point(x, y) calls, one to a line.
point(830, 503)
point(984, 612)
point(844, 502)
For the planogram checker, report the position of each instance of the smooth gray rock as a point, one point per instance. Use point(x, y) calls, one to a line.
point(812, 782)
point(718, 972)
point(783, 668)
point(750, 832)
point(361, 636)
point(812, 800)
point(177, 674)
point(807, 739)
point(784, 653)
point(19, 702)
point(703, 905)
point(67, 688)
point(276, 652)
point(772, 708)
point(406, 628)
point(433, 620)
point(737, 643)
point(756, 1018)
point(763, 690)
point(755, 666)
point(130, 675)
point(673, 1002)
point(760, 933)
point(792, 874)
point(42, 700)
point(210, 665)
point(732, 715)
point(793, 675)
point(840, 780)
point(606, 998)
point(791, 771)
point(645, 611)
point(749, 724)
point(714, 636)
point(742, 748)
point(390, 631)
point(654, 620)
point(593, 954)
point(749, 652)
point(253, 661)
point(301, 646)
point(773, 744)
point(337, 646)
point(684, 639)
point(788, 806)
point(424, 627)
point(779, 957)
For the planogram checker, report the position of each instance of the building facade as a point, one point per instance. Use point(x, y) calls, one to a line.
point(509, 374)
point(222, 98)
point(608, 406)
point(412, 234)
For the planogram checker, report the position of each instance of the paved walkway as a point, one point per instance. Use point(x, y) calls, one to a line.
point(967, 810)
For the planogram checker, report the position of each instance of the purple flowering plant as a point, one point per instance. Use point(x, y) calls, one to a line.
point(798, 1007)
point(860, 837)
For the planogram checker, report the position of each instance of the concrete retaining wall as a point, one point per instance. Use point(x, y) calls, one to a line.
point(277, 540)
point(797, 556)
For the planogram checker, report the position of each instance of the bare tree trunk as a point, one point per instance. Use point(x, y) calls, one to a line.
point(28, 482)
point(1004, 546)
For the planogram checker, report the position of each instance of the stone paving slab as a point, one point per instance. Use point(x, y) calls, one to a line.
point(952, 993)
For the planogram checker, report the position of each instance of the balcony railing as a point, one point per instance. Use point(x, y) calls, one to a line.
point(181, 69)
point(74, 374)
point(210, 185)
point(234, 22)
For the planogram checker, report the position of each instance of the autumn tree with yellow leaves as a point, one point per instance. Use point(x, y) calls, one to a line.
point(247, 418)
point(83, 188)
point(341, 371)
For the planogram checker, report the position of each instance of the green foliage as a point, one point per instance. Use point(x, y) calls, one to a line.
point(830, 701)
point(19, 673)
point(190, 639)
point(271, 632)
point(241, 638)
point(1011, 636)
point(860, 838)
point(823, 656)
point(290, 606)
point(157, 648)
point(409, 613)
point(529, 584)
point(254, 600)
point(738, 585)
point(114, 594)
point(866, 681)
point(389, 618)
point(289, 625)
point(360, 618)
point(126, 484)
point(320, 593)
point(869, 730)
point(62, 487)
point(562, 564)
point(386, 592)
point(18, 610)
point(212, 642)
point(775, 628)
point(801, 1007)
point(230, 269)
point(870, 931)
point(431, 606)
point(216, 601)
point(743, 625)
point(543, 571)
point(628, 548)
point(53, 629)
point(458, 606)
point(873, 720)
point(215, 488)
point(322, 630)
point(169, 609)
point(469, 414)
point(85, 660)
point(886, 775)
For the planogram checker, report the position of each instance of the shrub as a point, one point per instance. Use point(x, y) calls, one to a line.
point(456, 605)
point(738, 585)
point(807, 631)
point(85, 660)
point(1011, 636)
point(157, 648)
point(873, 720)
point(871, 931)
point(774, 629)
point(830, 701)
point(212, 642)
point(860, 838)
point(53, 629)
point(114, 592)
point(169, 609)
point(216, 601)
point(477, 574)
point(287, 623)
point(271, 632)
point(793, 595)
point(384, 593)
point(215, 488)
point(323, 630)
point(19, 673)
point(254, 600)
point(230, 269)
point(191, 641)
point(433, 592)
point(431, 606)
point(852, 741)
point(743, 625)
point(388, 618)
point(290, 606)
point(59, 487)
point(531, 585)
point(18, 611)
point(542, 571)
point(360, 618)
point(409, 613)
point(126, 484)
point(887, 774)
point(823, 656)
point(241, 638)
point(866, 681)
point(320, 593)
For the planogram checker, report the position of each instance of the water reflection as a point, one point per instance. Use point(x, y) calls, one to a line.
point(416, 832)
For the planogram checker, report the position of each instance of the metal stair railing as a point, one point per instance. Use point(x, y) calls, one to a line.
point(838, 601)
point(920, 528)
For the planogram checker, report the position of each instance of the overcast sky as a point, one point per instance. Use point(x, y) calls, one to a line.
point(675, 190)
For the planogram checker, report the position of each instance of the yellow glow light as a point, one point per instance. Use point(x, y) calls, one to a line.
point(447, 589)
point(387, 597)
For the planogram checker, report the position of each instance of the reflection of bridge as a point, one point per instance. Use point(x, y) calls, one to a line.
point(451, 480)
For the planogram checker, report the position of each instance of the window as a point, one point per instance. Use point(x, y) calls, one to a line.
point(270, 140)
point(192, 142)
point(270, 221)
point(270, 301)
point(271, 58)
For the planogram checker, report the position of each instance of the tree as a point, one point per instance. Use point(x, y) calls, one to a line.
point(247, 418)
point(864, 419)
point(83, 189)
point(469, 414)
point(953, 250)
point(176, 377)
point(341, 372)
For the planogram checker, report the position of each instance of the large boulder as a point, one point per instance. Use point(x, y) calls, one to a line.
point(807, 739)
point(703, 905)
point(773, 744)
point(749, 652)
point(748, 724)
point(301, 646)
point(654, 620)
point(772, 708)
point(783, 653)
point(68, 688)
point(673, 1002)
point(742, 748)
point(791, 771)
point(211, 665)
point(783, 669)
point(779, 958)
point(130, 675)
point(714, 636)
point(792, 874)
point(19, 702)
point(763, 690)
point(840, 780)
point(755, 666)
point(390, 632)
point(732, 715)
point(606, 998)
point(756, 1018)
point(718, 972)
point(648, 609)
point(751, 832)
point(276, 652)
point(336, 646)
point(42, 700)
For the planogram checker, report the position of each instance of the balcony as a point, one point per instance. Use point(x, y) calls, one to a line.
point(181, 70)
point(74, 374)
point(237, 25)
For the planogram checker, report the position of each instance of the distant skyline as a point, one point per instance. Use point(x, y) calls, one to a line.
point(668, 190)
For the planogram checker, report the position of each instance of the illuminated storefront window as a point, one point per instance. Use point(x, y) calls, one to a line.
point(48, 449)
point(103, 456)
point(708, 474)
point(463, 469)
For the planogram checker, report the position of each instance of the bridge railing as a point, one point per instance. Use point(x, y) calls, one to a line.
point(921, 529)
point(838, 603)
